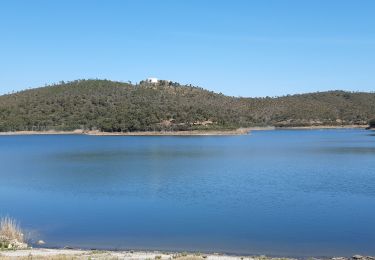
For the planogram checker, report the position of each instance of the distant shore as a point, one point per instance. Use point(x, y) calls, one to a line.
point(325, 127)
point(239, 131)
point(43, 253)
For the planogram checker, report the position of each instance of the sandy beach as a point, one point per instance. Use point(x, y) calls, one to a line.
point(44, 253)
point(134, 255)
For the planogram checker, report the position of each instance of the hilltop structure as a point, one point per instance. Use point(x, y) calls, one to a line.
point(152, 80)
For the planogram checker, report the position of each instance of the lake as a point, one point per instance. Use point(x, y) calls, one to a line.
point(283, 192)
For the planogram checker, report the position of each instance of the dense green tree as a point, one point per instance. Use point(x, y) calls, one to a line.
point(372, 123)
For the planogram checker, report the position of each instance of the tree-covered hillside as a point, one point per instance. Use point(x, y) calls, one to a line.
point(114, 106)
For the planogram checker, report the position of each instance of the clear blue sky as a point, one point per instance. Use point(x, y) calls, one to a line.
point(239, 48)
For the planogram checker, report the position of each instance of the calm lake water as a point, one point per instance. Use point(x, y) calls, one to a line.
point(287, 192)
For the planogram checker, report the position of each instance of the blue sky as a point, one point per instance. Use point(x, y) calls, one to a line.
point(239, 48)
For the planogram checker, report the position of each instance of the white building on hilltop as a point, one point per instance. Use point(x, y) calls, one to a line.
point(152, 80)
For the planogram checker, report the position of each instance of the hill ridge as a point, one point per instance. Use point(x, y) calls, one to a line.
point(114, 106)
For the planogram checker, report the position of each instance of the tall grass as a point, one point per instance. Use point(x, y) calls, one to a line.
point(10, 229)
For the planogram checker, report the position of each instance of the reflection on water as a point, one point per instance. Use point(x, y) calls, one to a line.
point(274, 192)
point(346, 150)
point(154, 154)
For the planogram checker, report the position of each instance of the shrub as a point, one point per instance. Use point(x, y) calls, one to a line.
point(372, 123)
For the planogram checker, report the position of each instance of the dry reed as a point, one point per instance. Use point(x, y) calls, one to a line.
point(10, 229)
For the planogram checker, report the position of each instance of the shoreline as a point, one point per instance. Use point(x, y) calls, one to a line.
point(323, 127)
point(239, 131)
point(64, 253)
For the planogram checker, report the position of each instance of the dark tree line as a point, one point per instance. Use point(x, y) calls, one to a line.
point(372, 123)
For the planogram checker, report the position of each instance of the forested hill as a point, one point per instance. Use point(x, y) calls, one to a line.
point(114, 106)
